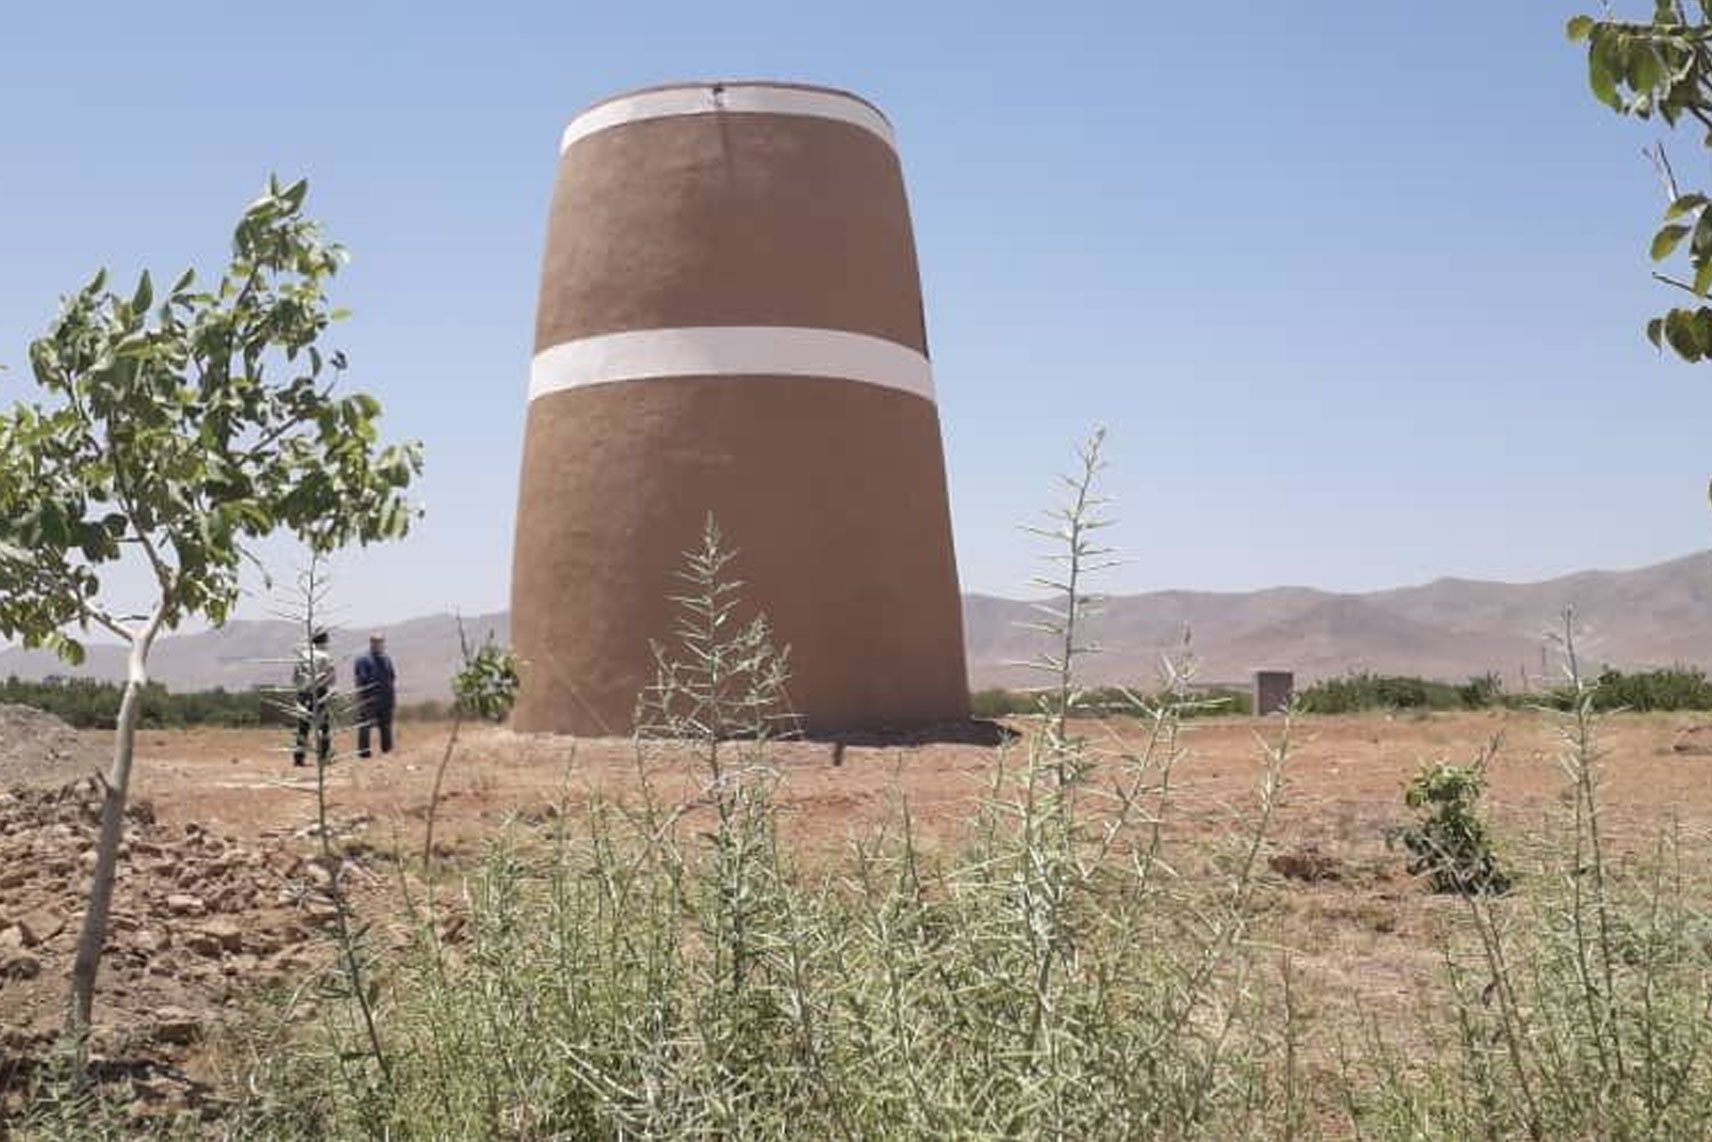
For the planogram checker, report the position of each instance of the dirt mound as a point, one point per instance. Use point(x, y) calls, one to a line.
point(198, 919)
point(36, 747)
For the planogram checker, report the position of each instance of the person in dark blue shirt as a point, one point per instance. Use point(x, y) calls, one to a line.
point(377, 695)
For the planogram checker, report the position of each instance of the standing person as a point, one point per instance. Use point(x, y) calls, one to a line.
point(377, 695)
point(313, 676)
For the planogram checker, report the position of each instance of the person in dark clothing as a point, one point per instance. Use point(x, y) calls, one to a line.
point(313, 680)
point(377, 695)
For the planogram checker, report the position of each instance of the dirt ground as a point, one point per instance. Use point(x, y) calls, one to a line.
point(1343, 785)
point(231, 825)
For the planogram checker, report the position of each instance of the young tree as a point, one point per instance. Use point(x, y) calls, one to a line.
point(175, 436)
point(1663, 67)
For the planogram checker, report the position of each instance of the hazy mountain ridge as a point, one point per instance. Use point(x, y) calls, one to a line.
point(246, 653)
point(1449, 628)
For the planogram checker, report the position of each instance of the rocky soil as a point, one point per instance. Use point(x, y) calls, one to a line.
point(199, 920)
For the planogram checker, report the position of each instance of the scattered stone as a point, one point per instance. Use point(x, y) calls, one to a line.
point(174, 1025)
point(1307, 863)
point(19, 965)
point(1695, 741)
point(202, 944)
point(231, 899)
point(184, 904)
point(243, 966)
point(227, 935)
point(282, 862)
point(40, 927)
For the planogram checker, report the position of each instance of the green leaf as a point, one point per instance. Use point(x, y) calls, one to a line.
point(1645, 70)
point(1684, 205)
point(1680, 331)
point(1703, 330)
point(1604, 63)
point(56, 529)
point(145, 295)
point(1655, 332)
point(66, 647)
point(1579, 28)
point(1703, 277)
point(1701, 243)
point(1666, 241)
point(183, 282)
point(1600, 80)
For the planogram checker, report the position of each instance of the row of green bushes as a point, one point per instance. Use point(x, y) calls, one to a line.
point(1362, 690)
point(93, 704)
point(1668, 688)
point(89, 703)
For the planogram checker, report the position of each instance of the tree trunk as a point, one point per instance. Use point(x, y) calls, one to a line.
point(93, 938)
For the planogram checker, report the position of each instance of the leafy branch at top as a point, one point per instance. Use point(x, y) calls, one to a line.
point(183, 426)
point(1664, 68)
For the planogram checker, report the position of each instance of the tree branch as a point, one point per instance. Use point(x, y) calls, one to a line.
point(102, 619)
point(1681, 285)
point(56, 581)
point(1661, 164)
point(164, 575)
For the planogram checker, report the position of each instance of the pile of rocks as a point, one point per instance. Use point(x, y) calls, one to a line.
point(197, 918)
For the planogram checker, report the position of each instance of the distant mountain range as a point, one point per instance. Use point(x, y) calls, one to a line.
point(1449, 628)
point(247, 653)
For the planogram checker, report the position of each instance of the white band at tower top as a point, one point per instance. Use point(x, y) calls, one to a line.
point(731, 98)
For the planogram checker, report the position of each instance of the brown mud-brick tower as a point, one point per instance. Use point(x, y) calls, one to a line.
point(730, 322)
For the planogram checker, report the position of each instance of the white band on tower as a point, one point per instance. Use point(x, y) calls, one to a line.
point(712, 99)
point(730, 350)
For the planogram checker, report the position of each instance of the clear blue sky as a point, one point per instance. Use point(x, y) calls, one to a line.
point(1358, 288)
